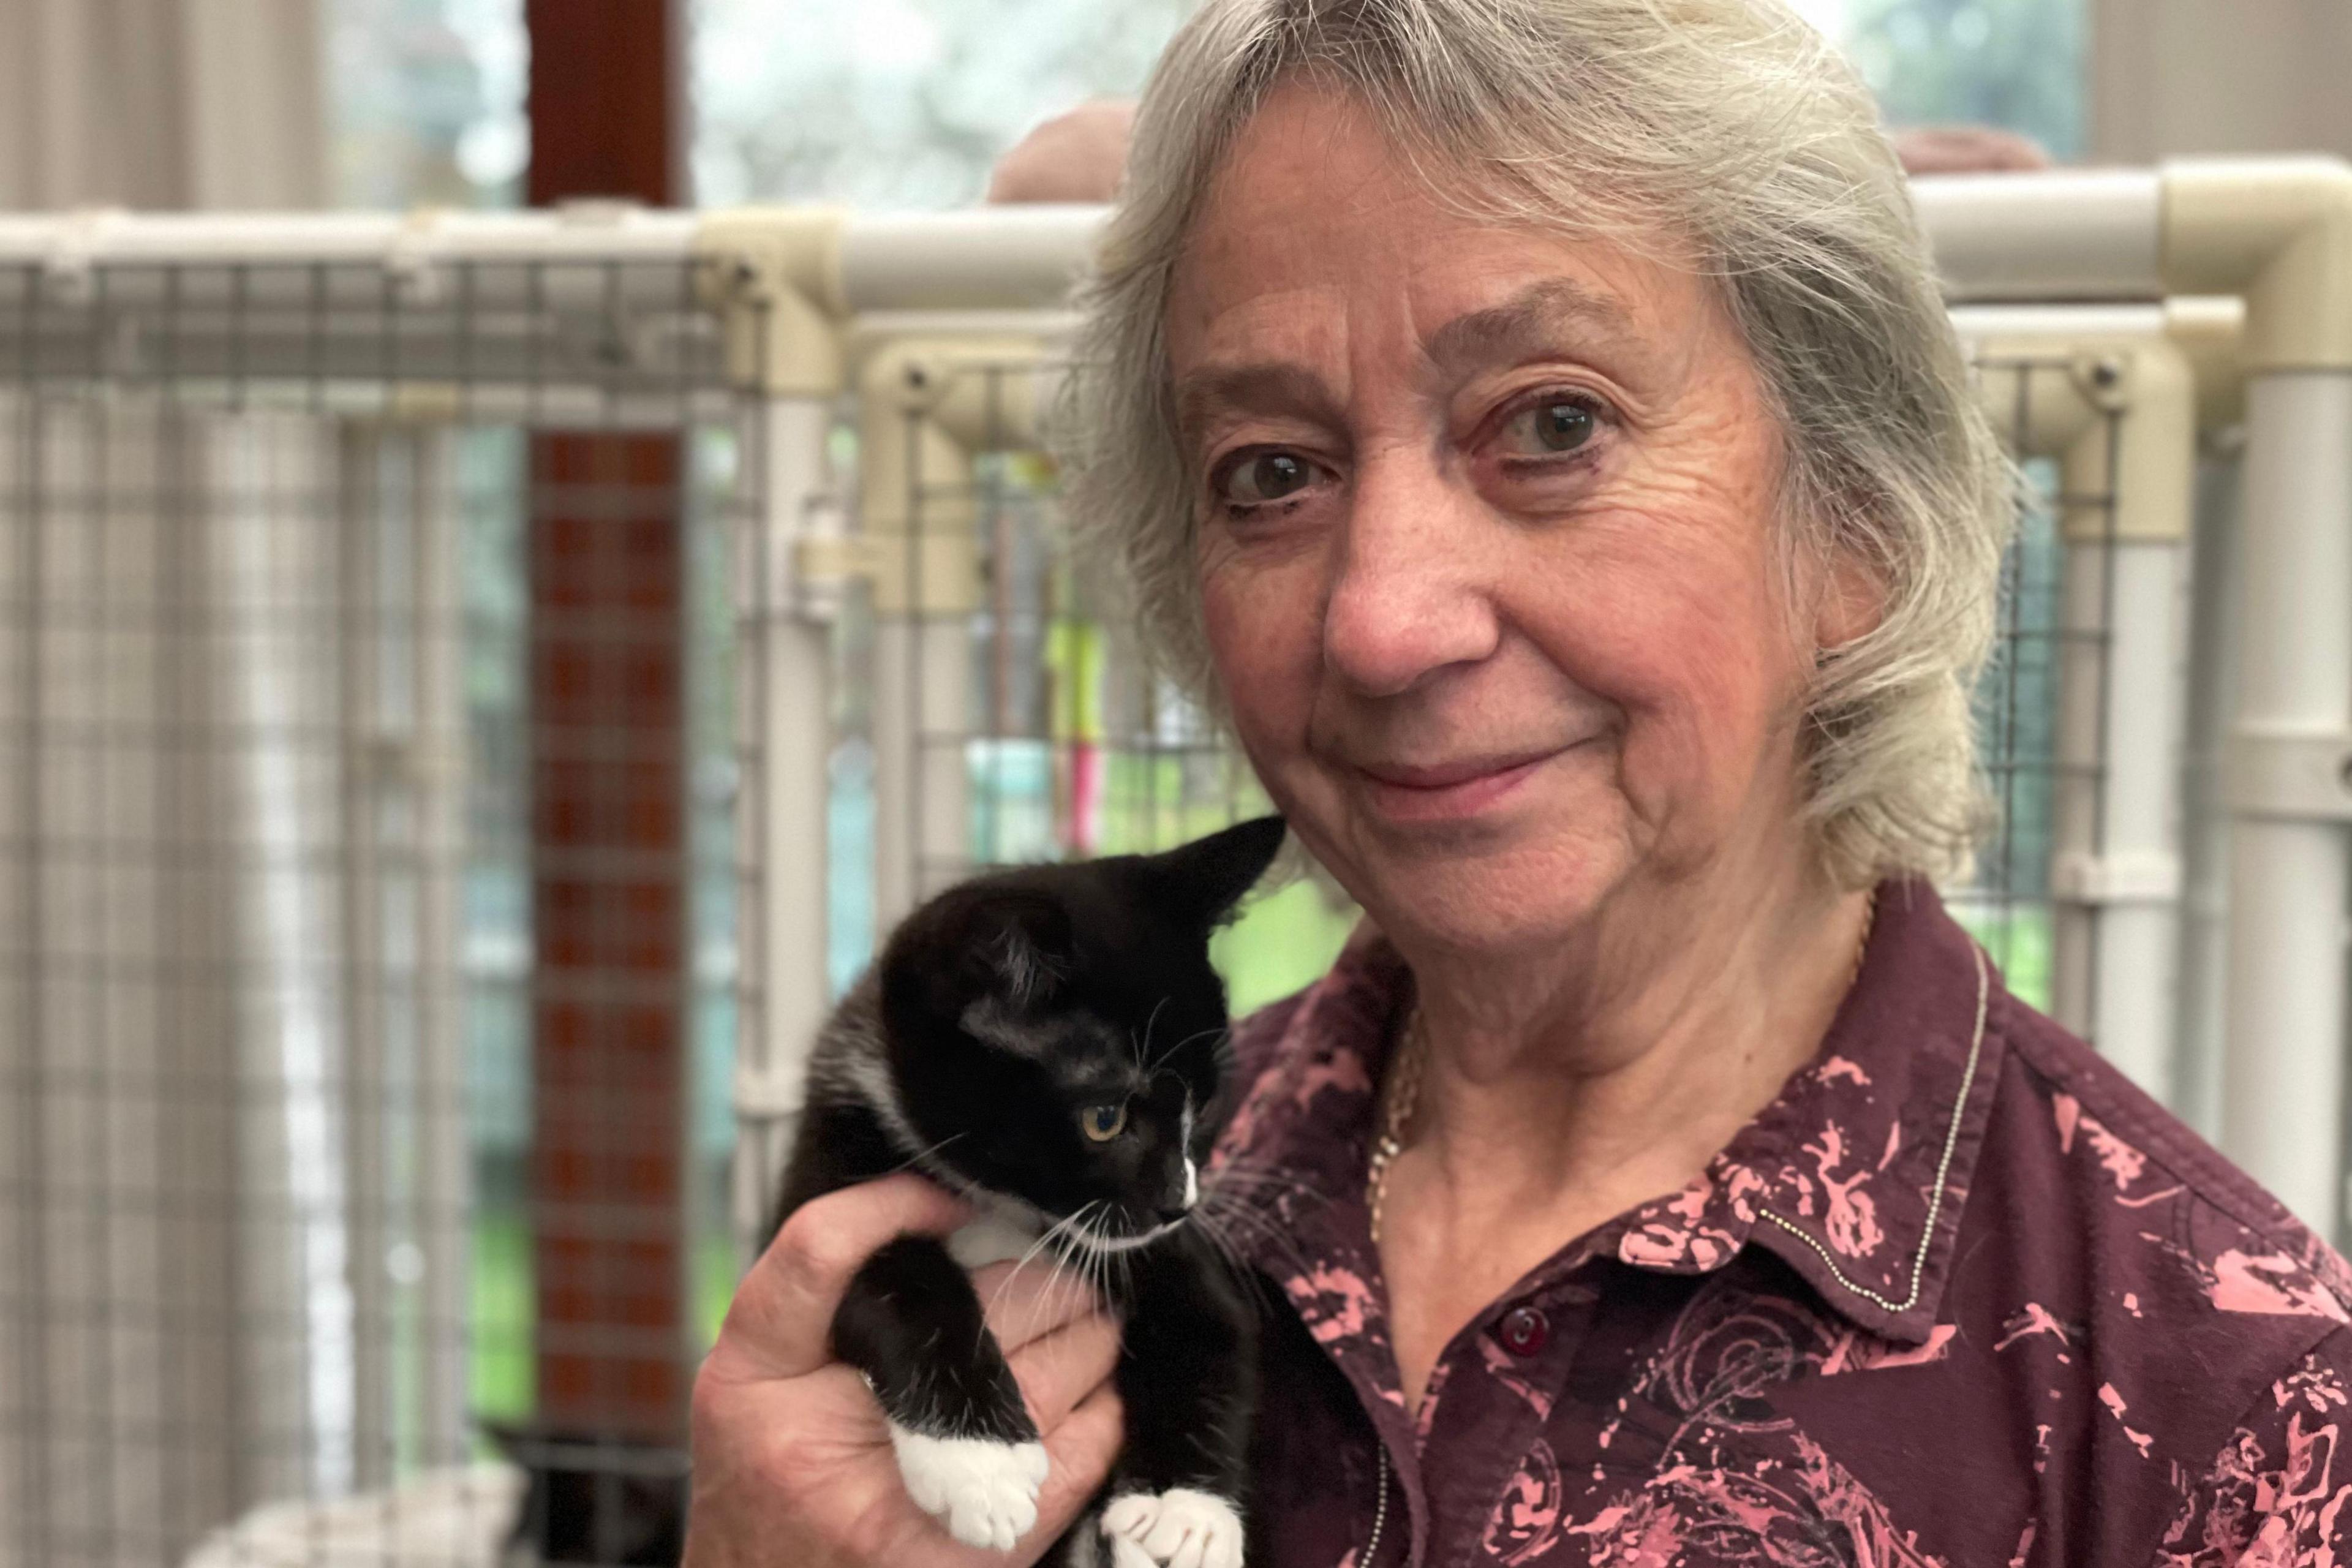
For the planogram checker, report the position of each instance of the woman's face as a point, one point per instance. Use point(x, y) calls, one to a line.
point(1485, 543)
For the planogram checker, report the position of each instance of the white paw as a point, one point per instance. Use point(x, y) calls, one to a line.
point(1179, 1528)
point(1126, 1554)
point(984, 1491)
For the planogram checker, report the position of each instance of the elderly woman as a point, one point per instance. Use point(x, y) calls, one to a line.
point(1534, 424)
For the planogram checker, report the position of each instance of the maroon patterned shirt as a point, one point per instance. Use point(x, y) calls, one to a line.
point(1960, 1295)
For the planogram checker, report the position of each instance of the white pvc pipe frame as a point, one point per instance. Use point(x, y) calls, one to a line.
point(2104, 389)
point(2070, 236)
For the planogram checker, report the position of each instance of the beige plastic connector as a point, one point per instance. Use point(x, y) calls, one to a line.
point(774, 275)
point(926, 408)
point(2119, 415)
point(2211, 332)
point(2277, 231)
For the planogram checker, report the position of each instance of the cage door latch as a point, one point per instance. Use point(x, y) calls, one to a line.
point(821, 560)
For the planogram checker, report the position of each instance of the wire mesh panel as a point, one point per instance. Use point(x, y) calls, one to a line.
point(2006, 900)
point(366, 898)
point(1011, 722)
point(2085, 713)
point(994, 714)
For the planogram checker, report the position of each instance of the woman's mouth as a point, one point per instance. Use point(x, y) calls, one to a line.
point(1447, 790)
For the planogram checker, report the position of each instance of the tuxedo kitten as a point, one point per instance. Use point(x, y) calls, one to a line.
point(1051, 1043)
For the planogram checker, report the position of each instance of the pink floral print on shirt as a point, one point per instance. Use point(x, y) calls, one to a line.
point(1960, 1295)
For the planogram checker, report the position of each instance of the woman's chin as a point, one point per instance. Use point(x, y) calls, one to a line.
point(1512, 861)
point(1499, 897)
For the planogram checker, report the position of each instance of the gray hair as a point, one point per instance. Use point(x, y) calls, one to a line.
point(1723, 133)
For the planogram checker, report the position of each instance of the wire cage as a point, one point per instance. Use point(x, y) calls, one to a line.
point(472, 692)
point(366, 909)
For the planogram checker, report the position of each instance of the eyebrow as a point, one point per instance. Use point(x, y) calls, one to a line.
point(1269, 386)
point(1529, 319)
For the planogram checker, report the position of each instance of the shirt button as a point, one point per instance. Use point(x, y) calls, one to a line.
point(1524, 1330)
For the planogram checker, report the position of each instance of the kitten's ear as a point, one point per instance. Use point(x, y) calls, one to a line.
point(1208, 877)
point(1019, 946)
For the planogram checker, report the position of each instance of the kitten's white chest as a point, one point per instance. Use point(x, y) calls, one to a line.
point(991, 1238)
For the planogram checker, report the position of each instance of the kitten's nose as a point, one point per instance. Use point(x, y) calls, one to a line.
point(1177, 1195)
point(1180, 1191)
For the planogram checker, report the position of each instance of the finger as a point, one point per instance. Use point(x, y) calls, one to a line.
point(1079, 1451)
point(1057, 1373)
point(1025, 1302)
point(781, 1324)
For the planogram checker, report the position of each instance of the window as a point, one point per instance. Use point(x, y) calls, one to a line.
point(425, 102)
point(2015, 64)
point(897, 103)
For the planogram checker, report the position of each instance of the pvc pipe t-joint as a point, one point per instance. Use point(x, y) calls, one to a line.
point(775, 273)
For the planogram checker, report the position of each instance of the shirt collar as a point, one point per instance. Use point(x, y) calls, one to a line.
point(1854, 1175)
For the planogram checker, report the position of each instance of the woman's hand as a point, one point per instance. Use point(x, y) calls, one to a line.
point(792, 1461)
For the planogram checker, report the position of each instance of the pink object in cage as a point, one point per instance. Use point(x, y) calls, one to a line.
point(1084, 828)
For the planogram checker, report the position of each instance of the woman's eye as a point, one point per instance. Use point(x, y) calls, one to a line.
point(1261, 477)
point(1103, 1122)
point(1558, 425)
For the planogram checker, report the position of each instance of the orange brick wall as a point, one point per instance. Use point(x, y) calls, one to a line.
point(609, 1007)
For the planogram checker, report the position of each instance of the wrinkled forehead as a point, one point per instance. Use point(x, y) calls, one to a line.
point(1318, 232)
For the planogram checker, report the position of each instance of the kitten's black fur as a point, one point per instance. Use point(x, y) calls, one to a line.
point(999, 1016)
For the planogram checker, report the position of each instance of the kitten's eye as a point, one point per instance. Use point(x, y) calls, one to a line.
point(1103, 1122)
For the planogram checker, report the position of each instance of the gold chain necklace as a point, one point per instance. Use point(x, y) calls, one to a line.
point(1403, 1096)
point(1402, 1088)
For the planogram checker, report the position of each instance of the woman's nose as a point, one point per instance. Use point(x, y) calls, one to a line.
point(1407, 598)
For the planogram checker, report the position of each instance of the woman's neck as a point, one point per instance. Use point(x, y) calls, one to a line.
point(1561, 1090)
point(1636, 1055)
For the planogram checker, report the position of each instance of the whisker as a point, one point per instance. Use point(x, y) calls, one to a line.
point(1082, 1254)
point(1250, 1224)
point(1248, 1172)
point(1144, 1050)
point(1256, 1197)
point(1069, 1222)
point(1061, 1263)
point(1224, 1030)
point(921, 1156)
point(1224, 1247)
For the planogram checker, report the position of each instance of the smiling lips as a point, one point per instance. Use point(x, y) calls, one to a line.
point(1446, 792)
